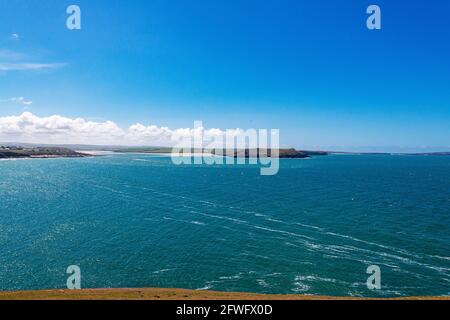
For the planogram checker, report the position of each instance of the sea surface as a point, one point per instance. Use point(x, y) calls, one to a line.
point(134, 220)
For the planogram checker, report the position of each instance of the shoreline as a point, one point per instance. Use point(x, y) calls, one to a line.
point(174, 294)
point(13, 152)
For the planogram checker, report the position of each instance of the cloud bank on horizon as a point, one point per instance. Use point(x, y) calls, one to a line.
point(56, 129)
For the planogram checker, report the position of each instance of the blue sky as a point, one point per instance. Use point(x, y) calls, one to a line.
point(310, 68)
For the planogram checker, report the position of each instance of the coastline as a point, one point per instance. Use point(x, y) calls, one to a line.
point(174, 294)
point(14, 152)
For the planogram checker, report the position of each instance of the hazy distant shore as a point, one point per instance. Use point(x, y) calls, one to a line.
point(95, 152)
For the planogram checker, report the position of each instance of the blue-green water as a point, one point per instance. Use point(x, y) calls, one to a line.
point(140, 221)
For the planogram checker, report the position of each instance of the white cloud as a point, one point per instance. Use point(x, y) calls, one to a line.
point(10, 55)
point(15, 61)
point(13, 66)
point(20, 100)
point(30, 128)
point(56, 129)
point(15, 36)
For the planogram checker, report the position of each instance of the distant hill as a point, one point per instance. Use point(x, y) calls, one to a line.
point(12, 152)
point(238, 153)
point(282, 153)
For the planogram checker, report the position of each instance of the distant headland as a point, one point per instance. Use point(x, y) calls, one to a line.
point(236, 153)
point(17, 152)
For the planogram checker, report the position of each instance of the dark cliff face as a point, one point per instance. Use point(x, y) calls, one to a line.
point(6, 154)
point(315, 153)
point(37, 152)
point(292, 154)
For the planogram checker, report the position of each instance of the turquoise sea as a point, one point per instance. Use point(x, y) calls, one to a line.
point(137, 220)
